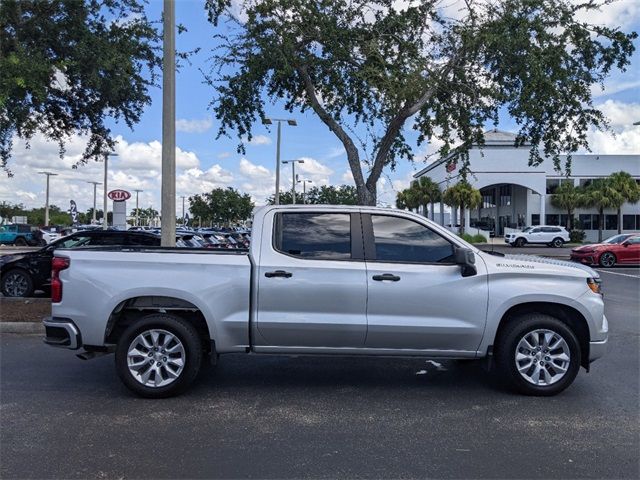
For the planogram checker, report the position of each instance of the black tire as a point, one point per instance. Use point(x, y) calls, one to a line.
point(607, 259)
point(21, 242)
point(507, 345)
point(186, 334)
point(17, 283)
point(520, 242)
point(557, 242)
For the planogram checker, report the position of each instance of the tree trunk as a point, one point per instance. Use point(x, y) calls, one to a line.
point(569, 220)
point(462, 219)
point(619, 220)
point(365, 196)
point(600, 224)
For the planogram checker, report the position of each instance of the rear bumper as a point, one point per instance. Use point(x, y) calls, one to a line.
point(62, 333)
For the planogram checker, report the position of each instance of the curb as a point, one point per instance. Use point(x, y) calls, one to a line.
point(22, 327)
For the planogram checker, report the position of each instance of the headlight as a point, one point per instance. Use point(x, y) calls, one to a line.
point(595, 284)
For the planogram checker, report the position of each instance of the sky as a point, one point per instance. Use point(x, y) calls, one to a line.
point(204, 162)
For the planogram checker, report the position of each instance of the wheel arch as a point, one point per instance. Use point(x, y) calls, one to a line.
point(134, 308)
point(565, 313)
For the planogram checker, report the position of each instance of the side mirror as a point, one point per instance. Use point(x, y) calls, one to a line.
point(625, 244)
point(467, 260)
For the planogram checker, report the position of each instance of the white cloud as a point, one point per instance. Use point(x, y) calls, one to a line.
point(223, 155)
point(625, 138)
point(194, 126)
point(257, 140)
point(621, 14)
point(612, 86)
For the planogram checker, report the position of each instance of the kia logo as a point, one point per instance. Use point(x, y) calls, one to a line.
point(119, 195)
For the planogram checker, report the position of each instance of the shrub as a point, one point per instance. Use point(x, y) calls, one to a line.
point(473, 238)
point(577, 236)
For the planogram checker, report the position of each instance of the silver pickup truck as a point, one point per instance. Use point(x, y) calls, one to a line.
point(328, 280)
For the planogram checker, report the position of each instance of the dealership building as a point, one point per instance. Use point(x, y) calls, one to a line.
point(515, 194)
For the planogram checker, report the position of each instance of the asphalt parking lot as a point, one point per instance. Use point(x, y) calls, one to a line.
point(280, 417)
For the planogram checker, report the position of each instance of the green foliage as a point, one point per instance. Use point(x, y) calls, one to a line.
point(325, 194)
point(568, 197)
point(602, 194)
point(221, 206)
point(628, 189)
point(478, 238)
point(366, 67)
point(577, 236)
point(67, 65)
point(464, 196)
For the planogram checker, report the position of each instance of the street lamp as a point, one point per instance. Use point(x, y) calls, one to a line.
point(46, 205)
point(104, 203)
point(269, 121)
point(293, 176)
point(304, 189)
point(95, 184)
point(137, 209)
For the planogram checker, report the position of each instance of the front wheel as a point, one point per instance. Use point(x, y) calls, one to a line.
point(538, 355)
point(17, 283)
point(607, 259)
point(520, 242)
point(158, 356)
point(21, 242)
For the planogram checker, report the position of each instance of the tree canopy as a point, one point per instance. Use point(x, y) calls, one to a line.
point(325, 194)
point(368, 69)
point(65, 66)
point(221, 206)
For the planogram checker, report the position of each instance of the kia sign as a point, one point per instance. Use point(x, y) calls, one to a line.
point(119, 195)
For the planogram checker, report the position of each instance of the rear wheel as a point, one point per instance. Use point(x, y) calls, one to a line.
point(607, 259)
point(557, 242)
point(159, 356)
point(520, 242)
point(17, 283)
point(538, 355)
point(21, 242)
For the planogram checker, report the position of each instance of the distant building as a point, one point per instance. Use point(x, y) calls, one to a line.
point(515, 194)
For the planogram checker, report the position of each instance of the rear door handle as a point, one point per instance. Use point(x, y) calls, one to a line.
point(387, 276)
point(278, 273)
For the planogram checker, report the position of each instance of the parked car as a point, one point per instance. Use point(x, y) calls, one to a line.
point(328, 280)
point(23, 273)
point(49, 235)
point(619, 249)
point(18, 234)
point(552, 236)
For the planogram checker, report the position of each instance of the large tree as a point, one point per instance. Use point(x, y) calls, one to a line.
point(568, 197)
point(66, 66)
point(628, 189)
point(325, 194)
point(222, 206)
point(368, 69)
point(464, 196)
point(602, 194)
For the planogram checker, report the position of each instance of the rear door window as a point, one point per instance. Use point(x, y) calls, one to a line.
point(317, 236)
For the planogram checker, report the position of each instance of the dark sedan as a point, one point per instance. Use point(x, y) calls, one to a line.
point(23, 273)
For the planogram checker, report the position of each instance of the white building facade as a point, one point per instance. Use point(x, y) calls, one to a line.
point(515, 195)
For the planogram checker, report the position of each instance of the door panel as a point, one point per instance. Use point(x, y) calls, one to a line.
point(312, 288)
point(426, 303)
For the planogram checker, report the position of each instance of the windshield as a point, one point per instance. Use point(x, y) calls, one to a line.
point(616, 239)
point(526, 229)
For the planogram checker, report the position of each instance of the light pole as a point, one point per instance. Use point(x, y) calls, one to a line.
point(46, 205)
point(182, 197)
point(269, 121)
point(95, 184)
point(104, 196)
point(137, 208)
point(304, 189)
point(168, 207)
point(293, 176)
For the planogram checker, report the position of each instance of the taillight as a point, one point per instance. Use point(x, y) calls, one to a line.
point(57, 265)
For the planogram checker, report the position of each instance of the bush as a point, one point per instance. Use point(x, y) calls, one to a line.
point(473, 238)
point(577, 236)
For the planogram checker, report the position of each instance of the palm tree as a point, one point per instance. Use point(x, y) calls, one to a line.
point(407, 199)
point(602, 194)
point(568, 198)
point(462, 195)
point(428, 192)
point(627, 187)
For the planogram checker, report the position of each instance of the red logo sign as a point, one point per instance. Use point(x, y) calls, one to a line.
point(119, 195)
point(451, 167)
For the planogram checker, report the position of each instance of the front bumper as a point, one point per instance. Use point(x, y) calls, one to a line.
point(586, 258)
point(597, 349)
point(62, 333)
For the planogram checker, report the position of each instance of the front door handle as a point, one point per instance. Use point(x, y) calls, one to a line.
point(278, 273)
point(387, 276)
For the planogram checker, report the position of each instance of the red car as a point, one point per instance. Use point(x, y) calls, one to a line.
point(619, 249)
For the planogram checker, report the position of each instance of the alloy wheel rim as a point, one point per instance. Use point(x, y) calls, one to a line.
point(542, 357)
point(156, 358)
point(15, 285)
point(607, 260)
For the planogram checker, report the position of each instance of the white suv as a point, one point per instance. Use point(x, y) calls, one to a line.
point(551, 236)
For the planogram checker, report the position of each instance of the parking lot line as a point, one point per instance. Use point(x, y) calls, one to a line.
point(617, 273)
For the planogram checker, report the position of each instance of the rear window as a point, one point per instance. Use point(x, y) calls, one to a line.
point(318, 236)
